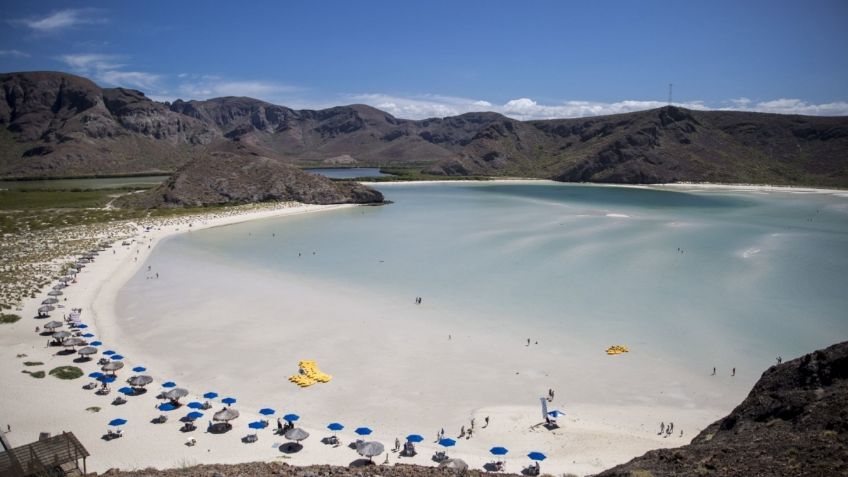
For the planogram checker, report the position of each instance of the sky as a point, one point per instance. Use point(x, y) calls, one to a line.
point(416, 59)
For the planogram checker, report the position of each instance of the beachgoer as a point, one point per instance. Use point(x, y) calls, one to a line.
point(472, 424)
point(442, 433)
point(36, 329)
point(779, 359)
point(8, 428)
point(681, 432)
point(662, 428)
point(713, 371)
point(397, 444)
point(449, 337)
point(279, 426)
point(734, 372)
point(487, 421)
point(468, 436)
point(462, 431)
point(157, 274)
point(528, 341)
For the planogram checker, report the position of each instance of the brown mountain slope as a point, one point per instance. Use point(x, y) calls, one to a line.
point(227, 179)
point(55, 124)
point(793, 423)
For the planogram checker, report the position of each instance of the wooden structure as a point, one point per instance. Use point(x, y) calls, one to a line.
point(53, 456)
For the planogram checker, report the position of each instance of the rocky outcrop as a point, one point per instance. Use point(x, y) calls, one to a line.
point(793, 423)
point(55, 124)
point(229, 179)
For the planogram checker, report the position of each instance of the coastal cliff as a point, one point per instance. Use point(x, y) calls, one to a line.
point(57, 124)
point(793, 423)
point(229, 179)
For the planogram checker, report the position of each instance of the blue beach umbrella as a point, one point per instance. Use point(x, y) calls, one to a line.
point(498, 450)
point(169, 384)
point(107, 378)
point(96, 375)
point(257, 425)
point(116, 357)
point(210, 395)
point(291, 417)
point(82, 326)
point(447, 442)
point(414, 438)
point(195, 405)
point(267, 411)
point(88, 335)
point(556, 414)
point(229, 400)
point(166, 407)
point(194, 415)
point(108, 352)
point(117, 422)
point(363, 431)
point(139, 369)
point(96, 343)
point(335, 426)
point(126, 390)
point(537, 456)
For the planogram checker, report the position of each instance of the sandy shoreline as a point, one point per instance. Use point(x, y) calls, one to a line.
point(592, 437)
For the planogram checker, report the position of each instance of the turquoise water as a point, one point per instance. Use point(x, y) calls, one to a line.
point(348, 172)
point(757, 275)
point(94, 183)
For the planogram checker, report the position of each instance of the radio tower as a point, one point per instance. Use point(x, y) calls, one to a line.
point(669, 93)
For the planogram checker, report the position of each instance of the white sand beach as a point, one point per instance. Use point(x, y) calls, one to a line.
point(419, 379)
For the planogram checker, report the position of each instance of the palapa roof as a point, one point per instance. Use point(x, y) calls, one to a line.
point(35, 458)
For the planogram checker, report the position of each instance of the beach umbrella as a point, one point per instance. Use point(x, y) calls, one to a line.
point(166, 407)
point(176, 393)
point(88, 335)
point(335, 426)
point(291, 417)
point(458, 465)
point(46, 308)
point(82, 326)
point(108, 352)
point(55, 293)
point(139, 369)
point(53, 325)
point(296, 434)
point(73, 342)
point(96, 343)
point(370, 449)
point(257, 425)
point(537, 456)
point(50, 301)
point(107, 378)
point(363, 431)
point(112, 366)
point(194, 415)
point(447, 442)
point(59, 286)
point(556, 414)
point(139, 381)
point(225, 415)
point(267, 411)
point(195, 405)
point(117, 422)
point(229, 400)
point(65, 280)
point(116, 357)
point(169, 384)
point(88, 350)
point(498, 450)
point(96, 375)
point(414, 438)
point(126, 390)
point(60, 335)
point(210, 395)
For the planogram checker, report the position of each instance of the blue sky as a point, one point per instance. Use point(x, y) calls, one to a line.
point(526, 59)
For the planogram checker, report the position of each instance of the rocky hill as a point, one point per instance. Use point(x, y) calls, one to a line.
point(56, 124)
point(793, 423)
point(229, 179)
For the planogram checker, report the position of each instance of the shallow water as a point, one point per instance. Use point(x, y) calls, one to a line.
point(689, 280)
point(348, 172)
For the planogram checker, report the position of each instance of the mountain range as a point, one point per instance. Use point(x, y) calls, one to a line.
point(60, 125)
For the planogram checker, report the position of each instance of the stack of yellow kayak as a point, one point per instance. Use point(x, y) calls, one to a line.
point(617, 349)
point(309, 374)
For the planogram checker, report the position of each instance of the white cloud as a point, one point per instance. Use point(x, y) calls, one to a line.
point(135, 79)
point(428, 106)
point(62, 19)
point(107, 69)
point(211, 86)
point(14, 53)
point(91, 61)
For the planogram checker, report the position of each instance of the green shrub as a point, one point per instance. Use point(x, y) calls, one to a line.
point(66, 372)
point(4, 318)
point(33, 363)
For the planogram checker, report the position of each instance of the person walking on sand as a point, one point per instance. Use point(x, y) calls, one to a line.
point(528, 341)
point(734, 372)
point(662, 428)
point(397, 444)
point(462, 432)
point(713, 371)
point(486, 420)
point(472, 424)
